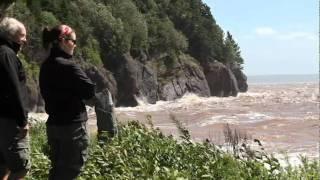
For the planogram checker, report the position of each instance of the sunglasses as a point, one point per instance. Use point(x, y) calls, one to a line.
point(73, 40)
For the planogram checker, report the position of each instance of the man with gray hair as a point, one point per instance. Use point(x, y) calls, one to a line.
point(14, 138)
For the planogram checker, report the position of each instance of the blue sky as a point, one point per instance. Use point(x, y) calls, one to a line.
point(275, 36)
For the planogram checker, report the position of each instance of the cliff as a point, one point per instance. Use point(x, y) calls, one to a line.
point(155, 50)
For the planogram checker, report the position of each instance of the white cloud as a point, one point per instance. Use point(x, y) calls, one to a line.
point(297, 35)
point(265, 31)
point(270, 32)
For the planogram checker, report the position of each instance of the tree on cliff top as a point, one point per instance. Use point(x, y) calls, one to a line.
point(231, 51)
point(110, 28)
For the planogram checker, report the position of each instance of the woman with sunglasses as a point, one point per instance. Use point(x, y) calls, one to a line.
point(64, 87)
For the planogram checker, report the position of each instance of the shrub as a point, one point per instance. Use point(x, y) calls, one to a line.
point(139, 152)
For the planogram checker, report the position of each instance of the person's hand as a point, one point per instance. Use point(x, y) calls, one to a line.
point(91, 102)
point(23, 131)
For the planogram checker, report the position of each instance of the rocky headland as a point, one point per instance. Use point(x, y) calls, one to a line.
point(155, 50)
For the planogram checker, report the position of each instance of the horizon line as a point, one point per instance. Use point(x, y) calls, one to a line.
point(288, 74)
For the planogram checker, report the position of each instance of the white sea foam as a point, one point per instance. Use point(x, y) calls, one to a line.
point(251, 117)
point(188, 101)
point(273, 94)
point(218, 119)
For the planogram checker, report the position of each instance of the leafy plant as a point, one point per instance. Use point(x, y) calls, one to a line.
point(139, 152)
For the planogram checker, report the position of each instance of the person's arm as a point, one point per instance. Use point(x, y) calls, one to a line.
point(82, 85)
point(100, 99)
point(9, 64)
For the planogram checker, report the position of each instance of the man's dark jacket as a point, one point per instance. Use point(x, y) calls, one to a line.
point(64, 86)
point(12, 83)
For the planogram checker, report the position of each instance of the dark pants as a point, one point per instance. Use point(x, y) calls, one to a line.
point(68, 150)
point(14, 150)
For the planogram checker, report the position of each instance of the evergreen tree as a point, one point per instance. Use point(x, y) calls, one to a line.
point(109, 28)
point(231, 51)
point(195, 20)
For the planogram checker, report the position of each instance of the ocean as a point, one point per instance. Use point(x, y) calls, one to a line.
point(283, 79)
point(282, 111)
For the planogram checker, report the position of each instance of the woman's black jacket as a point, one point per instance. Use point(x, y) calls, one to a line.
point(64, 86)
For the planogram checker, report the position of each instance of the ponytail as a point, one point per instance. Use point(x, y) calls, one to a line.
point(54, 35)
point(46, 37)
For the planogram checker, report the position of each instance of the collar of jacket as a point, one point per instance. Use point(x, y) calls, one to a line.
point(12, 45)
point(58, 52)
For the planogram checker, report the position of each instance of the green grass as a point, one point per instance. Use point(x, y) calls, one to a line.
point(139, 152)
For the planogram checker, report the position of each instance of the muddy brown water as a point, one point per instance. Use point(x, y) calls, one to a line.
point(284, 117)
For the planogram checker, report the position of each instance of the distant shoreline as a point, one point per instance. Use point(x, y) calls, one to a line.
point(283, 79)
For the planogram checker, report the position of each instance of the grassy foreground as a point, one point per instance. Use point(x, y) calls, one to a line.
point(139, 152)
